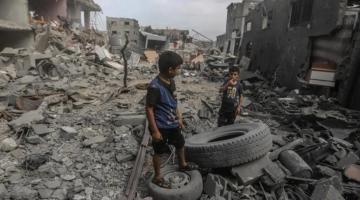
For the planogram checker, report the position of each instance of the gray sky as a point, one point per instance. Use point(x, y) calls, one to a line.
point(205, 16)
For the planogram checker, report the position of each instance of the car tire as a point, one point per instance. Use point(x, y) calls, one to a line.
point(192, 190)
point(229, 145)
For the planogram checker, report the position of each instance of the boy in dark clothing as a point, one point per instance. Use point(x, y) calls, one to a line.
point(231, 98)
point(164, 118)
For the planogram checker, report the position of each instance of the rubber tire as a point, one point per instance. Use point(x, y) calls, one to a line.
point(192, 191)
point(254, 143)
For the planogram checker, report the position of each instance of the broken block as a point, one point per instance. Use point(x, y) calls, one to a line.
point(212, 187)
point(346, 161)
point(132, 120)
point(326, 192)
point(249, 172)
point(274, 175)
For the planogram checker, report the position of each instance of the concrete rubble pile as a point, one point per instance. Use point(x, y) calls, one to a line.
point(68, 129)
point(315, 153)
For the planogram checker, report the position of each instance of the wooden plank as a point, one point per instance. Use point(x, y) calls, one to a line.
point(138, 167)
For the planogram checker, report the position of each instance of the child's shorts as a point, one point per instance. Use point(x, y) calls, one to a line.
point(170, 137)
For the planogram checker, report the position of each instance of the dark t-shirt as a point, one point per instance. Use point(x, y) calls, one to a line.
point(153, 94)
point(230, 98)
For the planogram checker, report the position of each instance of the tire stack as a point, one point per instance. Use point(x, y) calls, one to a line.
point(226, 146)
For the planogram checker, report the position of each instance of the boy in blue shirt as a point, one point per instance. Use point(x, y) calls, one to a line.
point(164, 118)
point(231, 98)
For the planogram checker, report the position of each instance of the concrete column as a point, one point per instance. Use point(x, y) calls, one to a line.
point(146, 43)
point(87, 19)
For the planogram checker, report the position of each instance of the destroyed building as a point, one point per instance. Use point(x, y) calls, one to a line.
point(15, 29)
point(171, 33)
point(236, 13)
point(306, 42)
point(75, 11)
point(118, 27)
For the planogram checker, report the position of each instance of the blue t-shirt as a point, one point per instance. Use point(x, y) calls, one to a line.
point(231, 96)
point(161, 96)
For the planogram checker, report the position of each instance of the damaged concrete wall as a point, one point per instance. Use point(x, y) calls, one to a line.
point(15, 11)
point(74, 11)
point(49, 9)
point(278, 43)
point(122, 26)
point(14, 27)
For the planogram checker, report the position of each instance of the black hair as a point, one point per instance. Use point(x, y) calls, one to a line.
point(169, 59)
point(234, 69)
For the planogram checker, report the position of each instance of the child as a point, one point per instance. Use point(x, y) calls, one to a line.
point(164, 118)
point(231, 99)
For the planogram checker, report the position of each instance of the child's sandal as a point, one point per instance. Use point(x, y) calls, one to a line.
point(161, 183)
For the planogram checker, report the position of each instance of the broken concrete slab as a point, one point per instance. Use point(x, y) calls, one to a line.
point(42, 129)
point(94, 140)
point(53, 184)
point(23, 193)
point(274, 175)
point(249, 172)
point(326, 192)
point(213, 187)
point(34, 139)
point(132, 120)
point(114, 65)
point(45, 193)
point(8, 144)
point(78, 186)
point(102, 53)
point(27, 118)
point(37, 56)
point(346, 161)
point(8, 51)
point(4, 194)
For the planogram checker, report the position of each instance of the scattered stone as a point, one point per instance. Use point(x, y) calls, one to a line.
point(78, 186)
point(124, 157)
point(251, 171)
point(88, 192)
point(34, 161)
point(326, 192)
point(15, 178)
point(67, 162)
point(60, 194)
point(54, 184)
point(4, 194)
point(68, 177)
point(94, 140)
point(68, 133)
point(79, 197)
point(129, 120)
point(41, 129)
point(34, 139)
point(20, 192)
point(27, 118)
point(8, 144)
point(69, 129)
point(36, 181)
point(349, 159)
point(45, 193)
point(326, 171)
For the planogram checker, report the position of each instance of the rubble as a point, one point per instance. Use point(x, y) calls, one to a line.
point(70, 130)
